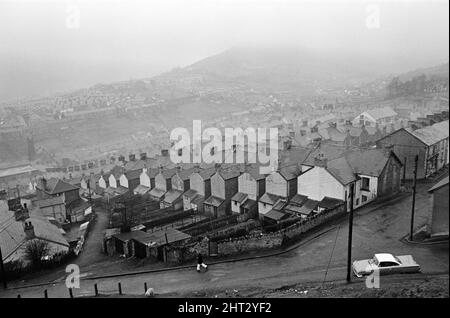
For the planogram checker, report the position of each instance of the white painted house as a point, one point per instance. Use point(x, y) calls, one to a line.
point(251, 186)
point(280, 185)
point(371, 173)
point(200, 188)
point(380, 116)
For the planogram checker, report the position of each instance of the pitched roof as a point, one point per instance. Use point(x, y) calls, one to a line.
point(214, 201)
point(230, 172)
point(430, 135)
point(329, 203)
point(269, 198)
point(290, 172)
point(378, 113)
point(163, 237)
point(172, 195)
point(276, 215)
point(186, 173)
point(341, 170)
point(168, 173)
point(55, 186)
point(254, 171)
point(198, 199)
point(207, 173)
point(141, 189)
point(239, 197)
point(12, 235)
point(157, 193)
point(369, 162)
point(440, 184)
point(133, 174)
point(298, 199)
point(117, 171)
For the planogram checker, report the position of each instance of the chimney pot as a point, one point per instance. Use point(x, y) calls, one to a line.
point(29, 231)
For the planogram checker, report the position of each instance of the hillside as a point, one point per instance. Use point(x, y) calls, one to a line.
point(286, 69)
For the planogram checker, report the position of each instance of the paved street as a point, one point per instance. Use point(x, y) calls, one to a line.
point(378, 230)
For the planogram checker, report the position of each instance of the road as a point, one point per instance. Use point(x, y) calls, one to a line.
point(379, 230)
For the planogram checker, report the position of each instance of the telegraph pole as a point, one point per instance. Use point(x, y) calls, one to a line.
point(416, 159)
point(2, 268)
point(404, 172)
point(90, 195)
point(350, 234)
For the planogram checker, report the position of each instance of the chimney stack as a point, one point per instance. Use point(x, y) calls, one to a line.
point(320, 160)
point(164, 152)
point(29, 230)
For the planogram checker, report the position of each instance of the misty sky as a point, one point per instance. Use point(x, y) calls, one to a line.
point(45, 48)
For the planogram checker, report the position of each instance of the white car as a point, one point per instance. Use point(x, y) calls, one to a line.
point(386, 264)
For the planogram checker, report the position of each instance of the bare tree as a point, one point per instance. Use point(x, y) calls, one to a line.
point(36, 251)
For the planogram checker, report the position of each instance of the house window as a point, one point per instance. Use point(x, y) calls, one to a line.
point(364, 198)
point(357, 201)
point(365, 183)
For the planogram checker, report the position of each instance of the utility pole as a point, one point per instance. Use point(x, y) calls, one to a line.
point(90, 195)
point(404, 172)
point(2, 268)
point(350, 234)
point(416, 159)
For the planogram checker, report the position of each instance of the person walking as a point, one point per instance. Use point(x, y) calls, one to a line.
point(200, 262)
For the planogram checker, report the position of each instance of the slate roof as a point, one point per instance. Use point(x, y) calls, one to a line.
point(214, 201)
point(369, 162)
point(341, 170)
point(440, 184)
point(430, 135)
point(239, 197)
point(161, 238)
point(55, 186)
point(269, 198)
point(117, 171)
point(169, 173)
point(378, 113)
point(253, 171)
point(12, 235)
point(191, 193)
point(198, 199)
point(298, 199)
point(186, 173)
point(152, 172)
point(141, 189)
point(329, 203)
point(172, 195)
point(133, 174)
point(207, 173)
point(276, 215)
point(309, 206)
point(290, 172)
point(230, 172)
point(157, 193)
point(293, 208)
point(279, 205)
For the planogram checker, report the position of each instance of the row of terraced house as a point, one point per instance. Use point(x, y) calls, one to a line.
point(307, 181)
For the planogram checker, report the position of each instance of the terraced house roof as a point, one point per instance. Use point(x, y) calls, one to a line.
point(430, 135)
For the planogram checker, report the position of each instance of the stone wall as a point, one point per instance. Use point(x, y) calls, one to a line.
point(254, 242)
point(250, 243)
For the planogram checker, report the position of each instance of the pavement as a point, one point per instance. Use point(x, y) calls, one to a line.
point(322, 259)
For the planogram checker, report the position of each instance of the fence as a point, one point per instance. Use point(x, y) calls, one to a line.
point(257, 241)
point(100, 291)
point(209, 225)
